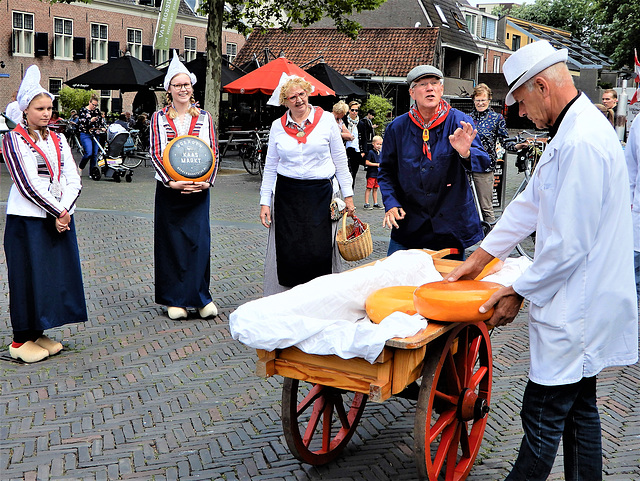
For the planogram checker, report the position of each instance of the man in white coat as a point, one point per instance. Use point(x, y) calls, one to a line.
point(632, 154)
point(583, 313)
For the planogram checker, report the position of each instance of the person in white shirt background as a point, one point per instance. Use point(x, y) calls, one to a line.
point(583, 314)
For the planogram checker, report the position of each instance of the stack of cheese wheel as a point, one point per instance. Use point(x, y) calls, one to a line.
point(440, 301)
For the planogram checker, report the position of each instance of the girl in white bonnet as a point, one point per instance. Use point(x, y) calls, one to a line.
point(43, 263)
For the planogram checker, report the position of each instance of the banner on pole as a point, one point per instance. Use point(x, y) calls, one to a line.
point(165, 25)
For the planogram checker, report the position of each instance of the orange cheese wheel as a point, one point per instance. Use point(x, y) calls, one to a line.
point(454, 301)
point(188, 158)
point(384, 301)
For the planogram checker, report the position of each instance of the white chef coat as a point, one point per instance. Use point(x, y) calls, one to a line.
point(632, 154)
point(583, 312)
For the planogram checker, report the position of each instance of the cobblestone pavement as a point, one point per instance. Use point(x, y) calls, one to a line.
point(135, 395)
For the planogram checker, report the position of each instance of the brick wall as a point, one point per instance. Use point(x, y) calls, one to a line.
point(118, 17)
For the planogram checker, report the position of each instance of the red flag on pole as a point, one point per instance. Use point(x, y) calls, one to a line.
point(636, 94)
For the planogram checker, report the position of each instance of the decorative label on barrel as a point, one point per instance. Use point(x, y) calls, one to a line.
point(188, 158)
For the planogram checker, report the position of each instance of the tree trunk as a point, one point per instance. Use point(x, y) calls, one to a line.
point(214, 58)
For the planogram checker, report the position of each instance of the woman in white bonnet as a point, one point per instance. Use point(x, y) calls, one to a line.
point(181, 221)
point(43, 263)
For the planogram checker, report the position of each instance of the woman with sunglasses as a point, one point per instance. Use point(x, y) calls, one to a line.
point(305, 168)
point(182, 232)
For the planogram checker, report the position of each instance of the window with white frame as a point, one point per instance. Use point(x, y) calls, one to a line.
point(471, 23)
point(134, 42)
point(488, 28)
point(23, 33)
point(162, 57)
point(55, 84)
point(445, 22)
point(232, 51)
point(99, 42)
point(496, 64)
point(63, 38)
point(190, 48)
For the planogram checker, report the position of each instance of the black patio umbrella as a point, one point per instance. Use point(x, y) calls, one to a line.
point(198, 67)
point(126, 73)
point(334, 79)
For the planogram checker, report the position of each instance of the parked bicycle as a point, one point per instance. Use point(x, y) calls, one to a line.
point(526, 162)
point(254, 153)
point(135, 150)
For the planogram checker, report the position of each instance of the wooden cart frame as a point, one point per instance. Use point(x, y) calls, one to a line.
point(323, 397)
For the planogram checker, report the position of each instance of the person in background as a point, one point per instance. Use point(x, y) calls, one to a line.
point(41, 250)
point(608, 113)
point(181, 230)
point(423, 171)
point(90, 124)
point(122, 120)
point(353, 146)
point(366, 131)
point(610, 99)
point(491, 129)
point(372, 163)
point(340, 109)
point(583, 312)
point(305, 168)
point(632, 156)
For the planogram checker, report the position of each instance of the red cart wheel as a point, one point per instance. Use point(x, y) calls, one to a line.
point(318, 421)
point(453, 403)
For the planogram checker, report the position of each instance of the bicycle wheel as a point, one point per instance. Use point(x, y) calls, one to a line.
point(527, 246)
point(132, 160)
point(252, 164)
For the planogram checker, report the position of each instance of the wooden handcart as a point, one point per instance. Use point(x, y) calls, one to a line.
point(323, 397)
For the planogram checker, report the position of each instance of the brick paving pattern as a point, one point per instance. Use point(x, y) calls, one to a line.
point(137, 396)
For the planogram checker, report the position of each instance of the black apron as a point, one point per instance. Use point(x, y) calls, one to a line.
point(304, 244)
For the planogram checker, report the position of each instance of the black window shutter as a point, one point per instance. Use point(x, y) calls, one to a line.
point(41, 44)
point(79, 48)
point(147, 54)
point(113, 50)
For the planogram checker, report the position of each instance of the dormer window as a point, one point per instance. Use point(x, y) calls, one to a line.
point(445, 22)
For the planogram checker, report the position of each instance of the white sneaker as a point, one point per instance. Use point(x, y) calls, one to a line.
point(177, 313)
point(209, 310)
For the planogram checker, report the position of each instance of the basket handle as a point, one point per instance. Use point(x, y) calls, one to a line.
point(344, 227)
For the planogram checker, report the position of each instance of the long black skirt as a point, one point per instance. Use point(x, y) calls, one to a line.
point(304, 243)
point(45, 277)
point(182, 236)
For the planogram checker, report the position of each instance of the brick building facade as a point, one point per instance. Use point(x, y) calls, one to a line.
point(66, 40)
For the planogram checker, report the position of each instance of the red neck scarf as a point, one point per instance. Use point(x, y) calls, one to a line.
point(442, 110)
point(301, 135)
point(173, 125)
point(21, 130)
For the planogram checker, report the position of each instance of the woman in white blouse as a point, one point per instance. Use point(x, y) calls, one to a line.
point(306, 165)
point(43, 263)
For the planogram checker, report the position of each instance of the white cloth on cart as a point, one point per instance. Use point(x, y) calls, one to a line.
point(326, 315)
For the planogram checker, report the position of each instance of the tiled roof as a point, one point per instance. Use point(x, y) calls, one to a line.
point(390, 52)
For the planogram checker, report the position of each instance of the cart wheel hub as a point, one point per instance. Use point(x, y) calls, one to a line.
point(471, 406)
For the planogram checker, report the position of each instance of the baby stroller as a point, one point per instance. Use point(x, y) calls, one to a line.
point(110, 163)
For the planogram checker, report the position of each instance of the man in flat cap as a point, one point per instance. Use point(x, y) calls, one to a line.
point(583, 313)
point(422, 174)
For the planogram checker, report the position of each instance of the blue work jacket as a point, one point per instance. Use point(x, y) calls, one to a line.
point(435, 194)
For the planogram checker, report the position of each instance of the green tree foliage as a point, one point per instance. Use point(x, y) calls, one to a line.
point(382, 107)
point(74, 99)
point(247, 16)
point(620, 33)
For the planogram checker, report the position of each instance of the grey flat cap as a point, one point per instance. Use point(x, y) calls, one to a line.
point(423, 71)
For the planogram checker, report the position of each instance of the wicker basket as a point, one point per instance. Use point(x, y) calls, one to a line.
point(357, 248)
